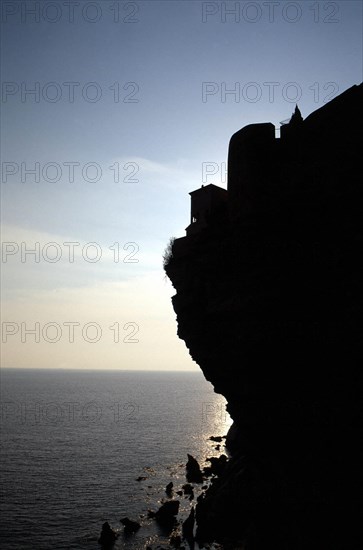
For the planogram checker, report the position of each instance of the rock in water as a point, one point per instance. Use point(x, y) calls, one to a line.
point(167, 512)
point(108, 535)
point(194, 474)
point(130, 526)
point(187, 488)
point(169, 489)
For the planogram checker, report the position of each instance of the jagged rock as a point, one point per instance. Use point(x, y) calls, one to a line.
point(188, 526)
point(187, 488)
point(194, 474)
point(108, 535)
point(180, 493)
point(130, 526)
point(169, 489)
point(216, 438)
point(166, 513)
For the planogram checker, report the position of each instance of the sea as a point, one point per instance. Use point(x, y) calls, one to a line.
point(79, 448)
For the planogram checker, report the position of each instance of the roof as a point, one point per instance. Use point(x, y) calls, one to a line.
point(210, 188)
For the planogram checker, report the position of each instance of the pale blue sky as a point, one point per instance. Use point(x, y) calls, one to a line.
point(168, 52)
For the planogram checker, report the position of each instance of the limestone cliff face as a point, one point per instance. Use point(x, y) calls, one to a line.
point(268, 304)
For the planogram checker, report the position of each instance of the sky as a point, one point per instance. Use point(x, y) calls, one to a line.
point(112, 112)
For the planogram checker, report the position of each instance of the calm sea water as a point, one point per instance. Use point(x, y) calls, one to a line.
point(74, 442)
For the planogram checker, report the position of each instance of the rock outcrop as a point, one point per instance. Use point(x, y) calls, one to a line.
point(268, 303)
point(130, 526)
point(108, 536)
point(165, 516)
point(193, 471)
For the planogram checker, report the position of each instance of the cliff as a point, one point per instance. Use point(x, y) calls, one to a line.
point(268, 304)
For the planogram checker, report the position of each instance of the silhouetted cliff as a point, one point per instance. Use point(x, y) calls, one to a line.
point(268, 305)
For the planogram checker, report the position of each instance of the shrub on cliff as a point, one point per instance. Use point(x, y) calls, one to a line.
point(168, 252)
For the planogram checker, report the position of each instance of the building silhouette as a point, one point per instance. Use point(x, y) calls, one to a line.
point(259, 164)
